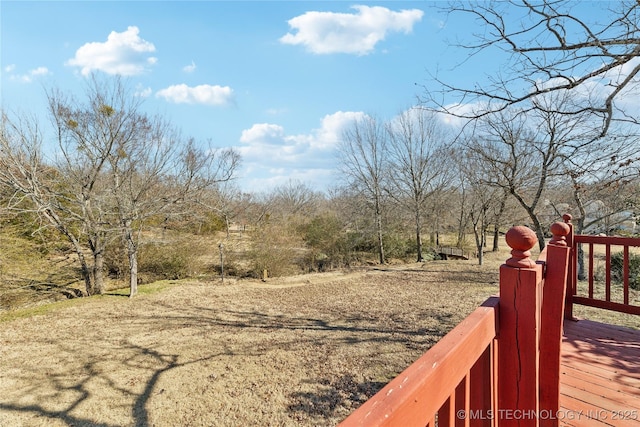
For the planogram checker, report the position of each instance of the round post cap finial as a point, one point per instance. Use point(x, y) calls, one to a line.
point(520, 239)
point(567, 218)
point(559, 231)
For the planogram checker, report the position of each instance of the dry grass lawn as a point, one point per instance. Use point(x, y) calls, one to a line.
point(298, 351)
point(301, 351)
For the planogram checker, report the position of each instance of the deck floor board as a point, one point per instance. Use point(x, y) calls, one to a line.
point(600, 375)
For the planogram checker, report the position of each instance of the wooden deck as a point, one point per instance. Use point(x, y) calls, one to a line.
point(600, 375)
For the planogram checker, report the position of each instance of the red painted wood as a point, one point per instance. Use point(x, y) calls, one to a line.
point(594, 387)
point(446, 413)
point(607, 240)
point(490, 363)
point(625, 269)
point(580, 414)
point(607, 273)
point(572, 273)
point(600, 374)
point(462, 402)
point(607, 305)
point(552, 316)
point(417, 394)
point(520, 299)
point(616, 300)
point(591, 270)
point(481, 399)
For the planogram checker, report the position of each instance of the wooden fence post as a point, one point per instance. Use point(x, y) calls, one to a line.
point(573, 268)
point(518, 346)
point(552, 315)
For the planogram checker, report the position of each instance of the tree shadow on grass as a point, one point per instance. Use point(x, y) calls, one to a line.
point(83, 383)
point(333, 396)
point(63, 393)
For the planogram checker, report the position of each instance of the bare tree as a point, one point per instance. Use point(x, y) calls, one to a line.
point(524, 152)
point(294, 198)
point(157, 173)
point(35, 186)
point(363, 151)
point(483, 205)
point(602, 201)
point(88, 132)
point(114, 167)
point(227, 201)
point(553, 46)
point(418, 155)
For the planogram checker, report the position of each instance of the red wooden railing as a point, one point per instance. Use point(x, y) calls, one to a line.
point(487, 370)
point(597, 288)
point(454, 375)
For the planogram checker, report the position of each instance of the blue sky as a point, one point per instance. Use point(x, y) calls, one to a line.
point(277, 80)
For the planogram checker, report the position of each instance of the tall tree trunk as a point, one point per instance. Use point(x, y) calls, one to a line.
point(84, 268)
point(481, 247)
point(98, 272)
point(578, 229)
point(419, 236)
point(538, 229)
point(530, 209)
point(132, 254)
point(379, 231)
point(496, 238)
point(462, 223)
point(53, 218)
point(496, 218)
point(479, 235)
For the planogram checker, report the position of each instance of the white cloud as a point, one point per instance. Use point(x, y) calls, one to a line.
point(189, 68)
point(263, 133)
point(595, 90)
point(457, 115)
point(272, 157)
point(123, 53)
point(270, 141)
point(202, 94)
point(276, 111)
point(358, 33)
point(28, 77)
point(143, 92)
point(40, 71)
point(329, 135)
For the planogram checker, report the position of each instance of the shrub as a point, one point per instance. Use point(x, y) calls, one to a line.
point(330, 246)
point(398, 245)
point(115, 261)
point(175, 260)
point(156, 261)
point(273, 248)
point(617, 269)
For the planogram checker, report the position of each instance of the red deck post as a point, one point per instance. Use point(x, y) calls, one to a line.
point(552, 316)
point(573, 266)
point(518, 350)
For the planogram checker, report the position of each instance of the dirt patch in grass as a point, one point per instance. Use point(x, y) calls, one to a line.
point(301, 351)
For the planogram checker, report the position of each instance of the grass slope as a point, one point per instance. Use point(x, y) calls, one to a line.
point(301, 351)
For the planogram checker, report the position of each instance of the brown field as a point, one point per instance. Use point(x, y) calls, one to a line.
point(297, 351)
point(304, 350)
